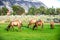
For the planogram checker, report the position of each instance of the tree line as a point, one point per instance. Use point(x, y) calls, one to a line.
point(18, 10)
point(43, 10)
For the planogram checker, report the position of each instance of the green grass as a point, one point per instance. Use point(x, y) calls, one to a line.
point(28, 34)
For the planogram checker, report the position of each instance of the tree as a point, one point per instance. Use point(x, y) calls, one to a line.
point(4, 10)
point(42, 10)
point(0, 11)
point(47, 11)
point(50, 11)
point(57, 10)
point(18, 10)
point(31, 10)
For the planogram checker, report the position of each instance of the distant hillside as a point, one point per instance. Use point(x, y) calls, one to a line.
point(25, 4)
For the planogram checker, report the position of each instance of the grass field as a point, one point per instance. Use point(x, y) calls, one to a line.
point(28, 34)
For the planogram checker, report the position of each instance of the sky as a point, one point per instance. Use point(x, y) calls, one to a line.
point(50, 3)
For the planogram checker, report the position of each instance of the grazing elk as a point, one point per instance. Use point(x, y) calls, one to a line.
point(31, 22)
point(14, 23)
point(52, 24)
point(38, 23)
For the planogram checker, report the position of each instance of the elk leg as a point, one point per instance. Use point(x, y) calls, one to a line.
point(52, 26)
point(19, 28)
point(8, 27)
point(29, 25)
point(12, 28)
point(34, 26)
point(42, 25)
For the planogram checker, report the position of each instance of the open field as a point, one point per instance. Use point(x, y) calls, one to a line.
point(28, 34)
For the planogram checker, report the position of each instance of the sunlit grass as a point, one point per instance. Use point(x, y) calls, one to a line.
point(28, 34)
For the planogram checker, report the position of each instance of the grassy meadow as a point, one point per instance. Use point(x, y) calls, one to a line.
point(28, 34)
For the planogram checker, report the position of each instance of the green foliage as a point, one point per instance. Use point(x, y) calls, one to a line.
point(3, 11)
point(44, 10)
point(0, 11)
point(18, 10)
point(47, 11)
point(31, 11)
point(37, 11)
point(14, 13)
point(50, 11)
point(58, 11)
